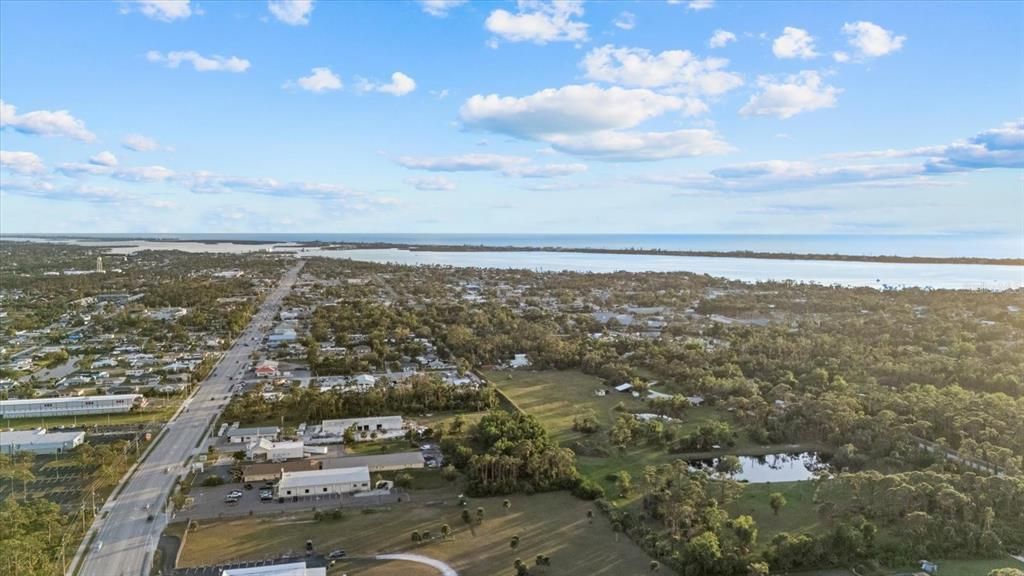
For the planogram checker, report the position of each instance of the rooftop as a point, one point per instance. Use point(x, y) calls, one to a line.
point(321, 477)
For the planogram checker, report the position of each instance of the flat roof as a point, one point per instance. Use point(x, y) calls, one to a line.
point(41, 436)
point(290, 569)
point(375, 460)
point(321, 477)
point(253, 431)
point(68, 399)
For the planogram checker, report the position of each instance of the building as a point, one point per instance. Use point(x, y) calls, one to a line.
point(377, 462)
point(249, 435)
point(266, 369)
point(519, 361)
point(290, 569)
point(383, 426)
point(268, 450)
point(272, 471)
point(282, 336)
point(320, 482)
point(71, 406)
point(39, 441)
point(166, 314)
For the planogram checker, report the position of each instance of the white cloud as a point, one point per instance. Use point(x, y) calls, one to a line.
point(22, 162)
point(625, 20)
point(798, 93)
point(125, 174)
point(569, 109)
point(720, 38)
point(507, 165)
point(105, 158)
point(291, 12)
point(440, 8)
point(674, 70)
point(697, 5)
point(400, 85)
point(871, 40)
point(199, 62)
point(539, 22)
point(431, 183)
point(641, 146)
point(840, 56)
point(77, 192)
point(794, 43)
point(163, 10)
point(140, 143)
point(44, 123)
point(321, 80)
point(440, 94)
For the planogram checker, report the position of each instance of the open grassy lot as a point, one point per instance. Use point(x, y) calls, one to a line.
point(799, 514)
point(553, 524)
point(555, 397)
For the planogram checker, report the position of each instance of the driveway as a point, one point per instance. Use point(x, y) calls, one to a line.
point(441, 567)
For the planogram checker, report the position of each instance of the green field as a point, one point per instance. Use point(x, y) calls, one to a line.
point(555, 397)
point(798, 516)
point(553, 524)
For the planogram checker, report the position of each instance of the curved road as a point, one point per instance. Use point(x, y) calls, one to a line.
point(125, 540)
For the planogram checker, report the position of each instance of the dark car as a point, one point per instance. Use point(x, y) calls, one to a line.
point(336, 554)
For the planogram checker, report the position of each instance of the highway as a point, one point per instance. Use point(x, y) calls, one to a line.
point(128, 538)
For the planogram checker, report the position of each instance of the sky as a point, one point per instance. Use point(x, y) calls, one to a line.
point(519, 117)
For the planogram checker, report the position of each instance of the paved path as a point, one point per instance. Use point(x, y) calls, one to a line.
point(125, 539)
point(441, 567)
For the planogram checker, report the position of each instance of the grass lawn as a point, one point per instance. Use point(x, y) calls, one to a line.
point(379, 447)
point(799, 514)
point(553, 524)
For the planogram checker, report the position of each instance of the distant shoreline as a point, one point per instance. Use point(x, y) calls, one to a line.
point(423, 247)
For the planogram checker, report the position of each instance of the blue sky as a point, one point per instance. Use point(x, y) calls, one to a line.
point(626, 117)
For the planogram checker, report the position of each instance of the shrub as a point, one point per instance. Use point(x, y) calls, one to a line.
point(213, 481)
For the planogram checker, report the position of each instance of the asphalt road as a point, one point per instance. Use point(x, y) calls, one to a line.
point(128, 538)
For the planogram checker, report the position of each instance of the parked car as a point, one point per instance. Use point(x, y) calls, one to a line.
point(336, 554)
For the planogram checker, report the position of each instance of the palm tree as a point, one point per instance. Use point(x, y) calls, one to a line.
point(514, 543)
point(507, 504)
point(466, 517)
point(590, 516)
point(655, 566)
point(416, 538)
point(446, 531)
point(480, 515)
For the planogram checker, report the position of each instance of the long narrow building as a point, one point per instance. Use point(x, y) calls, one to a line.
point(71, 406)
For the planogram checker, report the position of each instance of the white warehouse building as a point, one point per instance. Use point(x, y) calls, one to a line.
point(383, 426)
point(70, 406)
point(39, 441)
point(321, 482)
point(271, 451)
point(290, 569)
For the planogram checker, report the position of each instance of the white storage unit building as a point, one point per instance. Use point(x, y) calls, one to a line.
point(321, 482)
point(290, 569)
point(271, 451)
point(382, 425)
point(71, 406)
point(39, 441)
point(247, 435)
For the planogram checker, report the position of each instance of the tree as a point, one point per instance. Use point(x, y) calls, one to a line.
point(624, 484)
point(726, 467)
point(590, 516)
point(446, 531)
point(238, 455)
point(758, 569)
point(506, 504)
point(654, 566)
point(449, 473)
point(514, 543)
point(466, 516)
point(480, 515)
point(1006, 572)
point(416, 538)
point(777, 501)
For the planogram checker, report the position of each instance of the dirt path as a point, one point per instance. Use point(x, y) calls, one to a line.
point(441, 567)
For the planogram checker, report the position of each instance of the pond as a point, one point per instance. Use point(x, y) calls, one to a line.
point(772, 467)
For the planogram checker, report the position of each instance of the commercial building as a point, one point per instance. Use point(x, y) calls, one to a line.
point(264, 449)
point(273, 470)
point(70, 406)
point(377, 462)
point(290, 569)
point(39, 441)
point(320, 482)
point(382, 426)
point(247, 435)
point(266, 369)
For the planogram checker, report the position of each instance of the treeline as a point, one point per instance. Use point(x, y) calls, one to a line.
point(511, 452)
point(417, 395)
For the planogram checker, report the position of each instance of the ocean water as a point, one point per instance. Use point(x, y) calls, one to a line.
point(936, 245)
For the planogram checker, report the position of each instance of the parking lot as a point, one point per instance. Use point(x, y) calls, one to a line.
point(208, 502)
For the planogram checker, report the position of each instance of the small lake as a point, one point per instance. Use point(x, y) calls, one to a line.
point(772, 467)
